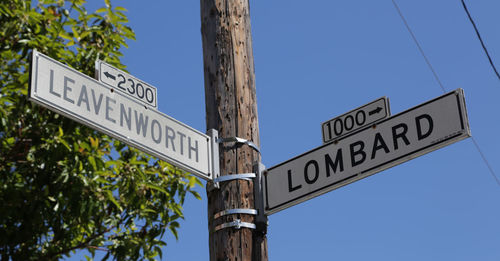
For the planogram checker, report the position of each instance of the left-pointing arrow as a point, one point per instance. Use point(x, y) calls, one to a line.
point(109, 75)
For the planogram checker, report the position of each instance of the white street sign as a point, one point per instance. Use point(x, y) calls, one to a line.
point(407, 135)
point(355, 119)
point(81, 98)
point(126, 83)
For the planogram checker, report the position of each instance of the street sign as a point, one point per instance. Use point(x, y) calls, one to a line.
point(83, 99)
point(126, 83)
point(407, 135)
point(355, 119)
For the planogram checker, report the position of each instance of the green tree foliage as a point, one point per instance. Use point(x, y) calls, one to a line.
point(63, 186)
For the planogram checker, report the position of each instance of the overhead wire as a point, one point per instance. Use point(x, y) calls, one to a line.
point(480, 39)
point(485, 160)
point(418, 45)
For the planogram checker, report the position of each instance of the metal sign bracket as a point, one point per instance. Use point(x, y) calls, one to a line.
point(237, 224)
point(261, 220)
point(245, 176)
point(214, 161)
point(239, 141)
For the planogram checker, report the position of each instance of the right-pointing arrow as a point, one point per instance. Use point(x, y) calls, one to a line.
point(377, 110)
point(109, 75)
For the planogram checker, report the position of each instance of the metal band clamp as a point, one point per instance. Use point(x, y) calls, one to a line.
point(245, 176)
point(236, 211)
point(237, 224)
point(240, 141)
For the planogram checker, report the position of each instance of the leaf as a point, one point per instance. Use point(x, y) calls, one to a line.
point(102, 10)
point(119, 8)
point(111, 198)
point(64, 35)
point(84, 34)
point(155, 187)
point(138, 162)
point(92, 162)
point(66, 145)
point(196, 195)
point(148, 210)
point(23, 41)
point(102, 181)
point(10, 140)
point(75, 32)
point(192, 182)
point(173, 228)
point(94, 142)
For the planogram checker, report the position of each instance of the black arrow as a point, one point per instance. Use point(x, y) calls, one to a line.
point(109, 75)
point(377, 110)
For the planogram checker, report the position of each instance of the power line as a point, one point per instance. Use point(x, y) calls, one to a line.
point(418, 46)
point(480, 39)
point(441, 85)
point(485, 161)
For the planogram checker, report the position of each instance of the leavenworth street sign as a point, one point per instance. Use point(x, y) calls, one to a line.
point(105, 109)
point(407, 135)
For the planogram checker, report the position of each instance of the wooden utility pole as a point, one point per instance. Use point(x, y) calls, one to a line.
point(231, 109)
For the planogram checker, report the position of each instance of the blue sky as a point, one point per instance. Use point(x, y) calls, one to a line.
point(317, 59)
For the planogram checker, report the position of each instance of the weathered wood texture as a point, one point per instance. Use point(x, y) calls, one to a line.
point(231, 108)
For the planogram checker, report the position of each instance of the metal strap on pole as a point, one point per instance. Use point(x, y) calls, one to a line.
point(237, 224)
point(245, 176)
point(239, 141)
point(246, 211)
point(217, 180)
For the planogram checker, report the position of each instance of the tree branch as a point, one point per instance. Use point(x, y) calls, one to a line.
point(82, 245)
